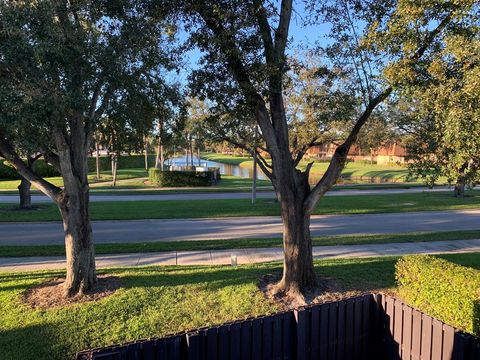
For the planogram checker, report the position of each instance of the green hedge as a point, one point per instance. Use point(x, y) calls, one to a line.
point(45, 170)
point(124, 162)
point(442, 289)
point(183, 178)
point(7, 172)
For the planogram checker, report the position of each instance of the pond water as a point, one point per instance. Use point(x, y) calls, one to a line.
point(225, 169)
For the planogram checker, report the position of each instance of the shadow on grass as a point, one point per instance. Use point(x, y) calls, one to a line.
point(30, 342)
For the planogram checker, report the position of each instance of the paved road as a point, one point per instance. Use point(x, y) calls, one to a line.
point(217, 195)
point(142, 231)
point(244, 256)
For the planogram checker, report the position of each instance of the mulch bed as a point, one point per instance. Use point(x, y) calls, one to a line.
point(328, 290)
point(50, 294)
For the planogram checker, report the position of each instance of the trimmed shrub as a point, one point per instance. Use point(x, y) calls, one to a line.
point(43, 169)
point(442, 289)
point(124, 162)
point(7, 172)
point(183, 178)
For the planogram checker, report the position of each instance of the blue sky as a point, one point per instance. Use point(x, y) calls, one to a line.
point(299, 34)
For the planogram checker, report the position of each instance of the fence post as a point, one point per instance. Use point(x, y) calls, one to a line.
point(301, 322)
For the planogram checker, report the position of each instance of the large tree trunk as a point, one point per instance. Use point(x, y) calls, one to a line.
point(298, 271)
point(81, 274)
point(25, 194)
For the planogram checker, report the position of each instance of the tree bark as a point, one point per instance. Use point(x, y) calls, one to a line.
point(190, 143)
point(97, 159)
point(73, 202)
point(81, 273)
point(146, 153)
point(25, 194)
point(114, 170)
point(459, 190)
point(292, 189)
point(298, 271)
point(162, 159)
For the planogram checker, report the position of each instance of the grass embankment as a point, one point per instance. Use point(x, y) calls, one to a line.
point(352, 169)
point(175, 209)
point(198, 245)
point(156, 301)
point(354, 172)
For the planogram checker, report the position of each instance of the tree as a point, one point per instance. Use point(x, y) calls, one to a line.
point(169, 117)
point(376, 132)
point(443, 118)
point(63, 62)
point(245, 61)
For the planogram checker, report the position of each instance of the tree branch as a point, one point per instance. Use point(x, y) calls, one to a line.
point(44, 186)
point(235, 65)
point(339, 158)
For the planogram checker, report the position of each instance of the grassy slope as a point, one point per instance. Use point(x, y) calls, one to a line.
point(352, 169)
point(355, 170)
point(197, 245)
point(156, 301)
point(364, 204)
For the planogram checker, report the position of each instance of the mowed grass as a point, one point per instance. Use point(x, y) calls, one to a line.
point(352, 169)
point(199, 245)
point(156, 301)
point(125, 177)
point(136, 181)
point(174, 209)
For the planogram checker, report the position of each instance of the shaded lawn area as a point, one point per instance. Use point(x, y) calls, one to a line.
point(198, 245)
point(155, 301)
point(175, 209)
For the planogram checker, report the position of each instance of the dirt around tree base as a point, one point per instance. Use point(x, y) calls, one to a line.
point(328, 290)
point(50, 294)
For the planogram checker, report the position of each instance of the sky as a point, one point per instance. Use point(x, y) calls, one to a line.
point(299, 34)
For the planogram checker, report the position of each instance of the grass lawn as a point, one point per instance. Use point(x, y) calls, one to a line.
point(359, 204)
point(226, 159)
point(352, 169)
point(135, 177)
point(197, 245)
point(355, 170)
point(155, 301)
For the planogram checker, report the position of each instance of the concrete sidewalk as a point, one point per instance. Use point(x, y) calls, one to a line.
point(244, 256)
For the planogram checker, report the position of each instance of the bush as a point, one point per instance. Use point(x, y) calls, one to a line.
point(442, 289)
point(7, 172)
point(43, 169)
point(124, 162)
point(183, 178)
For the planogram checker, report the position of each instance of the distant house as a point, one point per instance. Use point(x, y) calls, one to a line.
point(389, 153)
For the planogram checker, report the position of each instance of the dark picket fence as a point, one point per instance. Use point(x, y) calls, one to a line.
point(365, 327)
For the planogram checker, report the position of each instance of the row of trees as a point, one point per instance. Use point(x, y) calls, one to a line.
point(69, 68)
